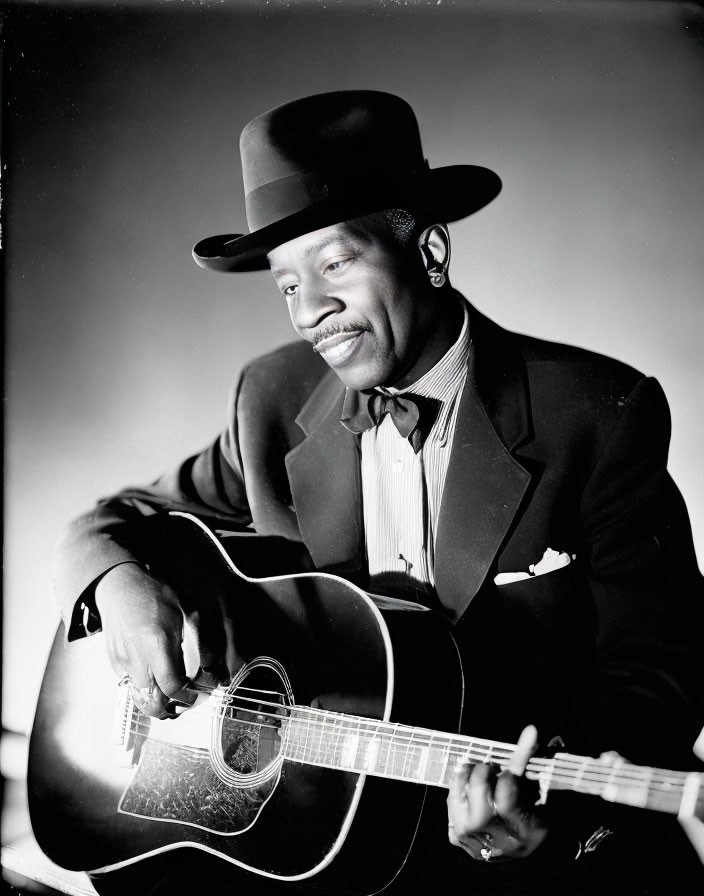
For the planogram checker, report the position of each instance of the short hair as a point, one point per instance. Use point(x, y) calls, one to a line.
point(396, 226)
point(403, 226)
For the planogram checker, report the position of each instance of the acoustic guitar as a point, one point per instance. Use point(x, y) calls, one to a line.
point(311, 747)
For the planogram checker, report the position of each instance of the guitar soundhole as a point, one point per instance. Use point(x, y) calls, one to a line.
point(247, 737)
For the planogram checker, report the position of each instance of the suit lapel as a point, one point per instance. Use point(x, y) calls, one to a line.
point(325, 482)
point(485, 483)
point(484, 487)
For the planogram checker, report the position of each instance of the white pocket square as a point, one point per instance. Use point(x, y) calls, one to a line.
point(551, 560)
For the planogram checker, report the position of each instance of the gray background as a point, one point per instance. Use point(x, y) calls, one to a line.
point(120, 152)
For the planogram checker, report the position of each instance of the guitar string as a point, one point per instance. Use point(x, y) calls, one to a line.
point(587, 770)
point(495, 749)
point(355, 725)
point(405, 737)
point(585, 783)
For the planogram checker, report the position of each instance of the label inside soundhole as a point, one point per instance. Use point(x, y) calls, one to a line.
point(250, 735)
point(247, 737)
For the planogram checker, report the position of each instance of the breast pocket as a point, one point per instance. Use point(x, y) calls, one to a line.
point(555, 602)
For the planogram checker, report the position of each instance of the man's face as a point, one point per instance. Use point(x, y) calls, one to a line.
point(361, 301)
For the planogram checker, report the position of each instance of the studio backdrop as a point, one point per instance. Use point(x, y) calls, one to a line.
point(120, 137)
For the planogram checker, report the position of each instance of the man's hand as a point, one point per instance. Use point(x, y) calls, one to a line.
point(143, 624)
point(494, 816)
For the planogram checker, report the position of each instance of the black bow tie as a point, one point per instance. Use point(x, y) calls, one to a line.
point(413, 415)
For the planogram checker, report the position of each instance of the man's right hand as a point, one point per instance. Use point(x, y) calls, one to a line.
point(143, 626)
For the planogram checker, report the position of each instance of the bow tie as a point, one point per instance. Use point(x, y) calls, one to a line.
point(412, 415)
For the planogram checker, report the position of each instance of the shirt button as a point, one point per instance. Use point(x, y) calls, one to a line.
point(398, 465)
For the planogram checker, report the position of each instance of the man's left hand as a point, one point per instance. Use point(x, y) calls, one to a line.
point(494, 817)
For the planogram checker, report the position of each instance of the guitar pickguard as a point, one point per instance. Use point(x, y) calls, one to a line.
point(172, 784)
point(222, 788)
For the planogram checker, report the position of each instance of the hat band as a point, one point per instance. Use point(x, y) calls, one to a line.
point(286, 196)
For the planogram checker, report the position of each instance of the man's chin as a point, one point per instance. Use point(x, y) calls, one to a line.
point(359, 380)
point(358, 372)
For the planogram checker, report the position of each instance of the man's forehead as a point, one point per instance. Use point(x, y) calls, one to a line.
point(310, 244)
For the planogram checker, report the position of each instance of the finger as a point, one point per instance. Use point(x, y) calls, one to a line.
point(150, 700)
point(612, 758)
point(480, 786)
point(526, 746)
point(166, 664)
point(206, 625)
point(233, 660)
point(507, 797)
point(468, 800)
point(452, 835)
point(483, 845)
point(524, 824)
point(457, 796)
point(460, 778)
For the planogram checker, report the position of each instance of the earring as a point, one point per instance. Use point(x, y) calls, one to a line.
point(438, 275)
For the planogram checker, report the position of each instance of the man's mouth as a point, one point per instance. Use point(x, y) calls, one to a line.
point(337, 348)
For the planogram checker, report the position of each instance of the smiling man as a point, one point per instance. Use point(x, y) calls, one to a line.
point(358, 292)
point(412, 446)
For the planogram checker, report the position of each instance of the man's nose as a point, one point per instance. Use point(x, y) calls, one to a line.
point(314, 303)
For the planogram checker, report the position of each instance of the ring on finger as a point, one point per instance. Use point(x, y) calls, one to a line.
point(147, 694)
point(486, 853)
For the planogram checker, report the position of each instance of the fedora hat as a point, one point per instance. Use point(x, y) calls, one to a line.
point(332, 157)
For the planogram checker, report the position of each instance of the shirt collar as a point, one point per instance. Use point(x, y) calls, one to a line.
point(445, 377)
point(441, 382)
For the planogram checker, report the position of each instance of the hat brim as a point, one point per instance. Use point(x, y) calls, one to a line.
point(438, 195)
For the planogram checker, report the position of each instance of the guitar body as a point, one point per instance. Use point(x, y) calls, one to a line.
point(101, 798)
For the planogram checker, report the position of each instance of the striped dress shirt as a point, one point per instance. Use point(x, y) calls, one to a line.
point(402, 491)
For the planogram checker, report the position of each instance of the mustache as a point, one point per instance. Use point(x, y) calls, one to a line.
point(335, 329)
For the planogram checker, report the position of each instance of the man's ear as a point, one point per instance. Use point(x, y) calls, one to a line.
point(434, 245)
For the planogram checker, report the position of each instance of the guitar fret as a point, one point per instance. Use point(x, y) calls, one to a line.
point(336, 750)
point(395, 751)
point(424, 757)
point(434, 774)
point(408, 759)
point(443, 770)
point(371, 755)
point(610, 790)
point(348, 753)
point(306, 745)
point(389, 750)
point(360, 758)
point(321, 729)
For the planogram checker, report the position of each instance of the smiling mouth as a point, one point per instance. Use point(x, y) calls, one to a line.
point(339, 347)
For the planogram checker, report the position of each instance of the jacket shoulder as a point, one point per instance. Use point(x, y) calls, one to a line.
point(578, 373)
point(279, 382)
point(587, 393)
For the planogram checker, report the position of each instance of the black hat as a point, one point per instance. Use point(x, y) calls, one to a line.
point(333, 157)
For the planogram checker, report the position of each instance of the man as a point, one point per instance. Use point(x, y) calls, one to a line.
point(409, 444)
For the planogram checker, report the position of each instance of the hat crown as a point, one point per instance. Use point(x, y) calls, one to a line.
point(331, 135)
point(333, 157)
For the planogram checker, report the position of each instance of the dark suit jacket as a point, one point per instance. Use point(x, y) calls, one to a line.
point(554, 447)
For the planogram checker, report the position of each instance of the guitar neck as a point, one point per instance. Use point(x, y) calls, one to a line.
point(388, 750)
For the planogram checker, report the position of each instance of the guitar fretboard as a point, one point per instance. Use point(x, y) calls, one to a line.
point(388, 750)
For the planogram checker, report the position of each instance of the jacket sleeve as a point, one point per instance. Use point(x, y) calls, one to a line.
point(210, 484)
point(646, 587)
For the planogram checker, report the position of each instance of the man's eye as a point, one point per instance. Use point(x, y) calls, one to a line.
point(289, 291)
point(336, 265)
